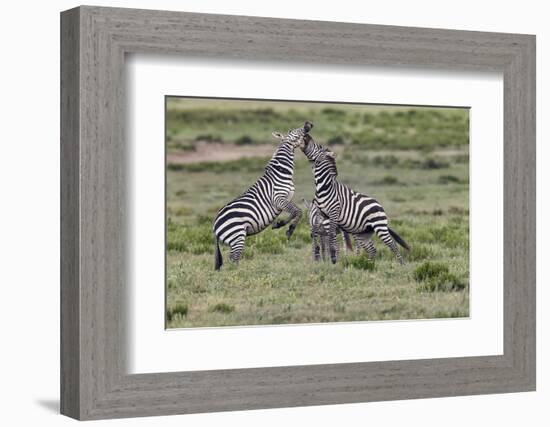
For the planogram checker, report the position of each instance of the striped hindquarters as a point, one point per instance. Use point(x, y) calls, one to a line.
point(248, 214)
point(360, 213)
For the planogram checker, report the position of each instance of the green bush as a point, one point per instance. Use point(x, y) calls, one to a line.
point(446, 282)
point(177, 310)
point(448, 179)
point(244, 140)
point(223, 308)
point(197, 239)
point(336, 140)
point(208, 138)
point(361, 262)
point(435, 277)
point(419, 253)
point(388, 180)
point(429, 270)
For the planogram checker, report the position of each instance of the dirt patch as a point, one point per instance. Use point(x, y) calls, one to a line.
point(220, 152)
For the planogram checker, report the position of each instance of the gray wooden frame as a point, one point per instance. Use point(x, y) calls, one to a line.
point(94, 382)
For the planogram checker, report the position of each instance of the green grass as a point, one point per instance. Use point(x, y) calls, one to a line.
point(425, 193)
point(365, 126)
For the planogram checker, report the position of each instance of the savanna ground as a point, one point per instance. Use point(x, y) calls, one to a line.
point(413, 160)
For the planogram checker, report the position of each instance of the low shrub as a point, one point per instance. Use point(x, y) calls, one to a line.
point(197, 239)
point(420, 253)
point(388, 161)
point(446, 282)
point(244, 140)
point(208, 138)
point(176, 310)
point(434, 277)
point(336, 140)
point(433, 163)
point(429, 270)
point(223, 308)
point(388, 180)
point(361, 262)
point(449, 179)
point(456, 210)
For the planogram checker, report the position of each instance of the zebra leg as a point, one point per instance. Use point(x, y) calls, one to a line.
point(315, 246)
point(337, 243)
point(384, 235)
point(348, 245)
point(364, 242)
point(357, 246)
point(371, 249)
point(237, 247)
point(295, 216)
point(324, 244)
point(332, 243)
point(280, 223)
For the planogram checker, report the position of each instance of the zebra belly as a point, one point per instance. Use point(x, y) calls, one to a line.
point(242, 216)
point(255, 227)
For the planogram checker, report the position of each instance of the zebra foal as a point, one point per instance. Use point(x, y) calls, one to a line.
point(319, 226)
point(258, 206)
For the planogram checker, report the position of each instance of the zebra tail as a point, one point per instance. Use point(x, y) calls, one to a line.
point(218, 256)
point(399, 239)
point(347, 239)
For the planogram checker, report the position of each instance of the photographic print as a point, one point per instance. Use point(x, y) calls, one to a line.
point(283, 212)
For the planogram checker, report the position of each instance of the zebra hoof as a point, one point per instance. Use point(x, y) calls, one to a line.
point(290, 231)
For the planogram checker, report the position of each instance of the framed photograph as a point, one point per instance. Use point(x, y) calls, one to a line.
point(262, 213)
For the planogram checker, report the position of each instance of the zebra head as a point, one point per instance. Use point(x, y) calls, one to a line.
point(311, 149)
point(295, 137)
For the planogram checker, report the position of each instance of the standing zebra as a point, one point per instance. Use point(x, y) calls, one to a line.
point(258, 206)
point(356, 213)
point(319, 226)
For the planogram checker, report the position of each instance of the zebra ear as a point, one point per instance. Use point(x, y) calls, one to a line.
point(277, 135)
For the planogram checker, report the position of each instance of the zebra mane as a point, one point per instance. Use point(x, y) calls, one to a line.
point(332, 161)
point(330, 158)
point(283, 152)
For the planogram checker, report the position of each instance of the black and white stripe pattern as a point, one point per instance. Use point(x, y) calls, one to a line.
point(353, 212)
point(319, 226)
point(258, 206)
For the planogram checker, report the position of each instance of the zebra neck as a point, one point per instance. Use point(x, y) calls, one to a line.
point(283, 157)
point(324, 181)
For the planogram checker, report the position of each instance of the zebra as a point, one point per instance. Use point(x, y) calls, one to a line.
point(355, 213)
point(319, 224)
point(258, 206)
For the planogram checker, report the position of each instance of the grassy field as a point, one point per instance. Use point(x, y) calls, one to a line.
point(413, 160)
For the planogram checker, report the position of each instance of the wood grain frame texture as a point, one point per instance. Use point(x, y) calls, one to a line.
point(94, 42)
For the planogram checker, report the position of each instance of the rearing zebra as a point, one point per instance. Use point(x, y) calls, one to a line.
point(356, 213)
point(258, 206)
